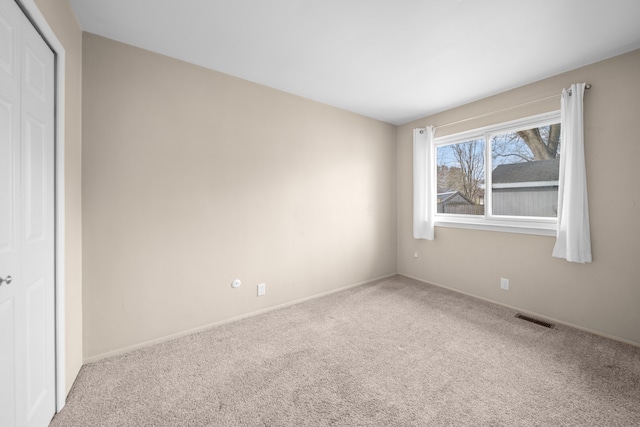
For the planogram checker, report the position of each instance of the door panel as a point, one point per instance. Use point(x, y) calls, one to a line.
point(34, 74)
point(7, 362)
point(34, 172)
point(9, 250)
point(35, 345)
point(7, 43)
point(36, 216)
point(7, 183)
point(27, 319)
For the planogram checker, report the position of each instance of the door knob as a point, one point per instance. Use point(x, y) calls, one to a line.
point(6, 280)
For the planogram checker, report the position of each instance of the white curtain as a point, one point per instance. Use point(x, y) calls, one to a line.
point(573, 241)
point(423, 183)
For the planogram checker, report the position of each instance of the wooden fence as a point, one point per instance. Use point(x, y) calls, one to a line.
point(461, 209)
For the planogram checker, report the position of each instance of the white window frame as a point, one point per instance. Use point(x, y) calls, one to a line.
point(512, 224)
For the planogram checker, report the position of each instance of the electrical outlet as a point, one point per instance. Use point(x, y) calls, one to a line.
point(262, 289)
point(504, 283)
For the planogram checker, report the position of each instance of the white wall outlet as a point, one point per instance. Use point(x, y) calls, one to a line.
point(262, 289)
point(504, 283)
point(236, 283)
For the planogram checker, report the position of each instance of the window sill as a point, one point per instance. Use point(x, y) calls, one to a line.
point(540, 228)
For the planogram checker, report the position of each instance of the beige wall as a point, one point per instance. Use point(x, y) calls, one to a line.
point(62, 21)
point(192, 178)
point(602, 296)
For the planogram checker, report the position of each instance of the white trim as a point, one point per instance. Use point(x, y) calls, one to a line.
point(526, 184)
point(511, 224)
point(43, 27)
point(528, 312)
point(499, 128)
point(505, 226)
point(225, 321)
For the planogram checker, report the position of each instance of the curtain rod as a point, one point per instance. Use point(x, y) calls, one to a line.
point(587, 86)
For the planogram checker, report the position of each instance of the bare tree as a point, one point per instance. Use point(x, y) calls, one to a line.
point(541, 143)
point(469, 156)
point(449, 177)
point(462, 165)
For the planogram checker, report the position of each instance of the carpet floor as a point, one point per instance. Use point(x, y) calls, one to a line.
point(394, 352)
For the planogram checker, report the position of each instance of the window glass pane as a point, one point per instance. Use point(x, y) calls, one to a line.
point(461, 178)
point(524, 180)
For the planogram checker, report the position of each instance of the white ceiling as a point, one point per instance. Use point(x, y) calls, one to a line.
point(393, 60)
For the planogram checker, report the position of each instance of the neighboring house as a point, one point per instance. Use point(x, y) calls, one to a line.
point(526, 189)
point(452, 201)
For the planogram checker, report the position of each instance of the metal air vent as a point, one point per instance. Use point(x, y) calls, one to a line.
point(534, 320)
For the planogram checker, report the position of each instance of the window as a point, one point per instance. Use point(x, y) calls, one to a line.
point(520, 191)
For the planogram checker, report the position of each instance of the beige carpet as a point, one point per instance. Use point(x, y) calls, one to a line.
point(394, 352)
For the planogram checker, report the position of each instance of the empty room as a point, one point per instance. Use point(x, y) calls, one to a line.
point(315, 213)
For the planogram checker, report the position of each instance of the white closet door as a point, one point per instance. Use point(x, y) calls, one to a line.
point(27, 346)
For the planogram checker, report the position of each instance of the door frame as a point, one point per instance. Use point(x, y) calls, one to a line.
point(42, 26)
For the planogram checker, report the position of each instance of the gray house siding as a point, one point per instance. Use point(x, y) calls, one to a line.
point(531, 201)
point(526, 189)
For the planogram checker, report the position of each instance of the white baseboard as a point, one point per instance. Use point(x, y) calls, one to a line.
point(225, 321)
point(527, 312)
